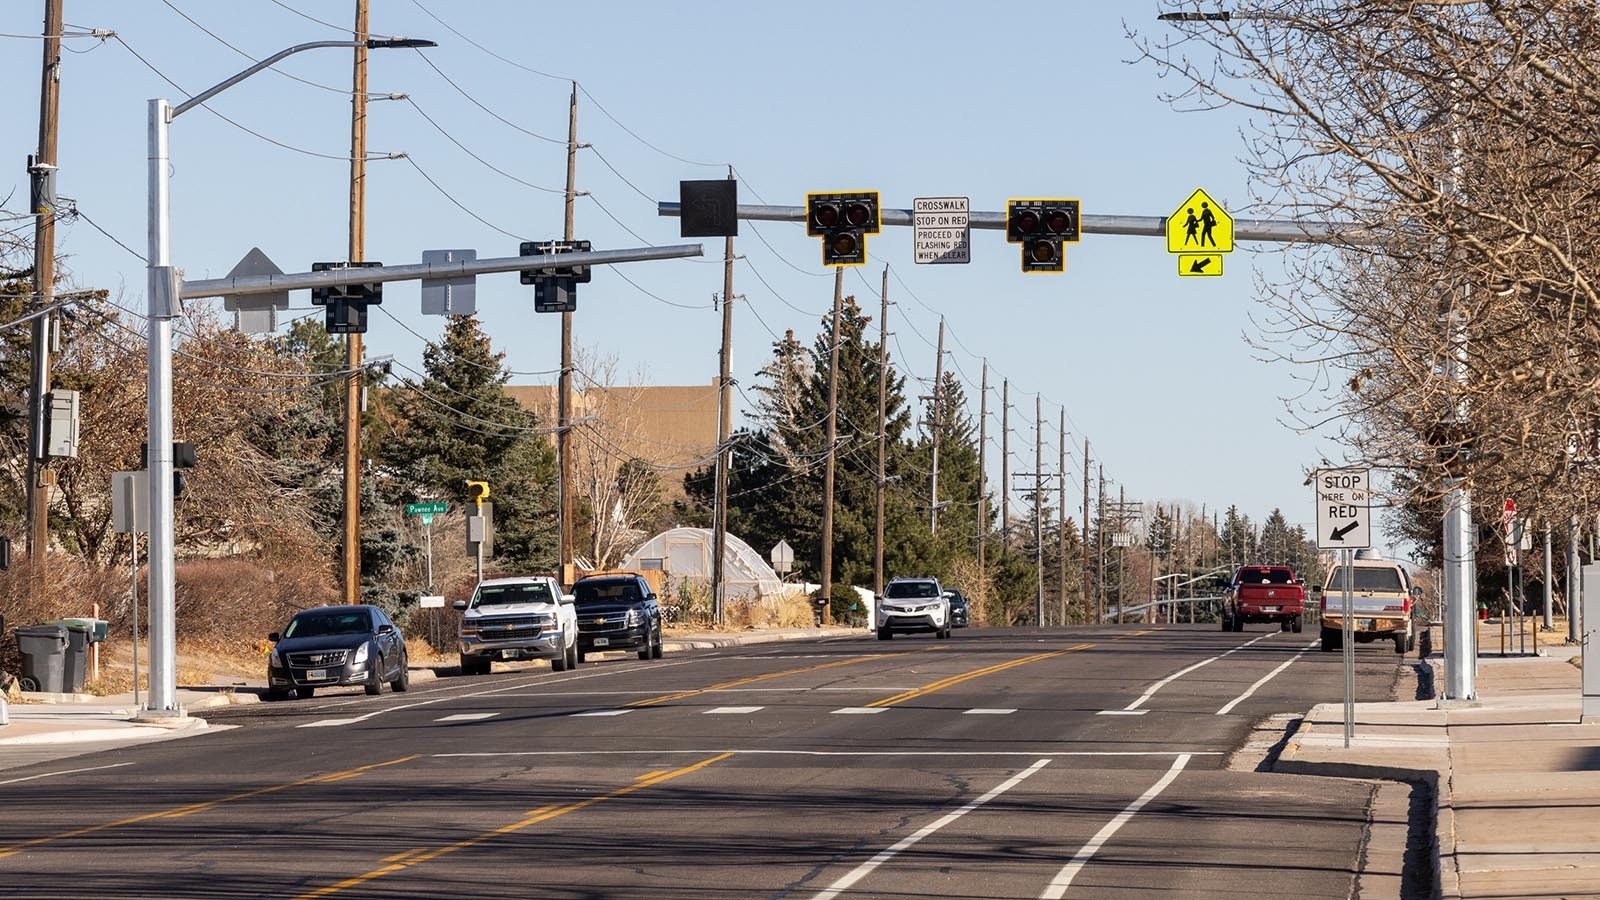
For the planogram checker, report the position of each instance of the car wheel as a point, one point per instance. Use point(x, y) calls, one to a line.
point(304, 692)
point(644, 652)
point(1297, 626)
point(1227, 623)
point(559, 664)
point(1332, 640)
point(884, 634)
point(402, 681)
point(581, 655)
point(1400, 643)
point(374, 685)
point(572, 655)
point(276, 694)
point(1238, 623)
point(656, 649)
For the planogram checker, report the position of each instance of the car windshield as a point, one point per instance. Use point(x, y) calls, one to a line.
point(606, 592)
point(1386, 580)
point(323, 624)
point(504, 594)
point(911, 590)
point(1264, 576)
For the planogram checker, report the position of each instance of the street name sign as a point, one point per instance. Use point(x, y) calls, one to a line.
point(418, 509)
point(943, 227)
point(1344, 509)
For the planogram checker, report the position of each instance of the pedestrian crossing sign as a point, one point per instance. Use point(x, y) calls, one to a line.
point(1199, 225)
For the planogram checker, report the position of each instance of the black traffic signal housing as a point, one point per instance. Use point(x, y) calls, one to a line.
point(1043, 227)
point(183, 457)
point(843, 219)
point(346, 305)
point(555, 287)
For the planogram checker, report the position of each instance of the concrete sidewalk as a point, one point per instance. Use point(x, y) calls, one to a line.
point(1511, 779)
point(85, 719)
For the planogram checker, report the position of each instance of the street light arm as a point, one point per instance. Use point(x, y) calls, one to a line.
point(372, 43)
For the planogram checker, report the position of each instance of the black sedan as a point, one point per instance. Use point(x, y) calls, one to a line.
point(336, 645)
point(959, 613)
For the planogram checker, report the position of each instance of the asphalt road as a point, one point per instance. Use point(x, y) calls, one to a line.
point(1080, 762)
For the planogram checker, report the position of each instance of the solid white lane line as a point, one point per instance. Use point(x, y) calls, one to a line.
point(988, 712)
point(884, 856)
point(733, 710)
point(1182, 672)
point(66, 772)
point(467, 717)
point(1268, 677)
point(602, 712)
point(860, 710)
point(1122, 712)
point(1165, 754)
point(1063, 880)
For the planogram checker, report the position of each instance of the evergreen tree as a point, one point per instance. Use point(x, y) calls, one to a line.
point(457, 424)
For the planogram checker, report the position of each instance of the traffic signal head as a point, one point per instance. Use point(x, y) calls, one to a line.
point(843, 220)
point(346, 304)
point(1043, 228)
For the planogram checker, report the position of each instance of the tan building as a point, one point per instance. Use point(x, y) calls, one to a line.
point(672, 427)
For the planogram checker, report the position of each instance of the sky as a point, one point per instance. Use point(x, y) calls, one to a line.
point(913, 99)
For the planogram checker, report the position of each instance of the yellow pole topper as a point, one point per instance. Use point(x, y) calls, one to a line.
point(477, 492)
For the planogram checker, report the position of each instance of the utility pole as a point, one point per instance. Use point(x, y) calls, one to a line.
point(983, 484)
point(933, 476)
point(1005, 465)
point(564, 384)
point(1038, 507)
point(41, 171)
point(1122, 550)
point(832, 438)
point(1061, 519)
point(352, 341)
point(883, 434)
point(719, 533)
point(1098, 612)
point(1100, 557)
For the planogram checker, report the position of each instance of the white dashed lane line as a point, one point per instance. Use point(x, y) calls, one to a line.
point(733, 710)
point(860, 710)
point(467, 717)
point(988, 712)
point(602, 712)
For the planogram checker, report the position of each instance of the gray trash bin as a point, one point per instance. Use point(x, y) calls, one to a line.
point(44, 657)
point(80, 634)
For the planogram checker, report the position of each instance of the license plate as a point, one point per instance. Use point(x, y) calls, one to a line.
point(316, 674)
point(1369, 624)
point(602, 642)
point(508, 654)
point(1269, 609)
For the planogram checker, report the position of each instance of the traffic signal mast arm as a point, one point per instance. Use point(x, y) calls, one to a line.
point(297, 281)
point(1275, 230)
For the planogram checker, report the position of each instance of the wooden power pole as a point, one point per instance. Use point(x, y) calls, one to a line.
point(832, 438)
point(936, 427)
point(1005, 465)
point(1061, 520)
point(352, 341)
point(41, 172)
point(719, 534)
point(1085, 534)
point(564, 381)
point(1038, 507)
point(883, 435)
point(983, 484)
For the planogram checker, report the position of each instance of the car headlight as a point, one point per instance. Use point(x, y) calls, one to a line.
point(274, 660)
point(361, 654)
point(633, 617)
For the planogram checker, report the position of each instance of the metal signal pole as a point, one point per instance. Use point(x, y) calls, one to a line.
point(983, 484)
point(1061, 519)
point(1005, 465)
point(1038, 507)
point(352, 342)
point(1084, 531)
point(883, 435)
point(936, 428)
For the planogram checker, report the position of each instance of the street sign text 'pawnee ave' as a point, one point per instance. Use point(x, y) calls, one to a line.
point(1344, 509)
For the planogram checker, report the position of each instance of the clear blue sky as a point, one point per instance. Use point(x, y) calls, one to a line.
point(912, 99)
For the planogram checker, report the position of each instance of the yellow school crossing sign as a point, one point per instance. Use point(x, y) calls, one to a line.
point(1199, 231)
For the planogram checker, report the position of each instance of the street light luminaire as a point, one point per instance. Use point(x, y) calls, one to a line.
point(397, 43)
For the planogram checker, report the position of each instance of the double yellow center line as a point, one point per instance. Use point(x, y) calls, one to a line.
point(741, 682)
point(953, 680)
point(401, 861)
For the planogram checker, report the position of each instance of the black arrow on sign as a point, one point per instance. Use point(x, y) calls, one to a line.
point(1199, 265)
point(1339, 533)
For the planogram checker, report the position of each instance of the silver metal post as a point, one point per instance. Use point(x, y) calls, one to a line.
point(1573, 591)
point(428, 529)
point(133, 606)
point(1460, 607)
point(163, 697)
point(1349, 647)
point(1549, 589)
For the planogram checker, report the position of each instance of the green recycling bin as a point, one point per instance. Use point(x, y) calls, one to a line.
point(80, 634)
point(44, 656)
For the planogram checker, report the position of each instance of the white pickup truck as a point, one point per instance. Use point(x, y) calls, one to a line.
point(1381, 601)
point(526, 617)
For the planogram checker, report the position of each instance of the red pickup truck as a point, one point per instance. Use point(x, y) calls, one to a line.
point(1264, 594)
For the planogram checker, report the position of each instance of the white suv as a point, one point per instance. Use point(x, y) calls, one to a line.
point(913, 605)
point(518, 618)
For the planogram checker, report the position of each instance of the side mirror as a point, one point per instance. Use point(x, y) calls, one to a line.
point(386, 628)
point(1416, 593)
point(1316, 590)
point(273, 637)
point(568, 599)
point(459, 604)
